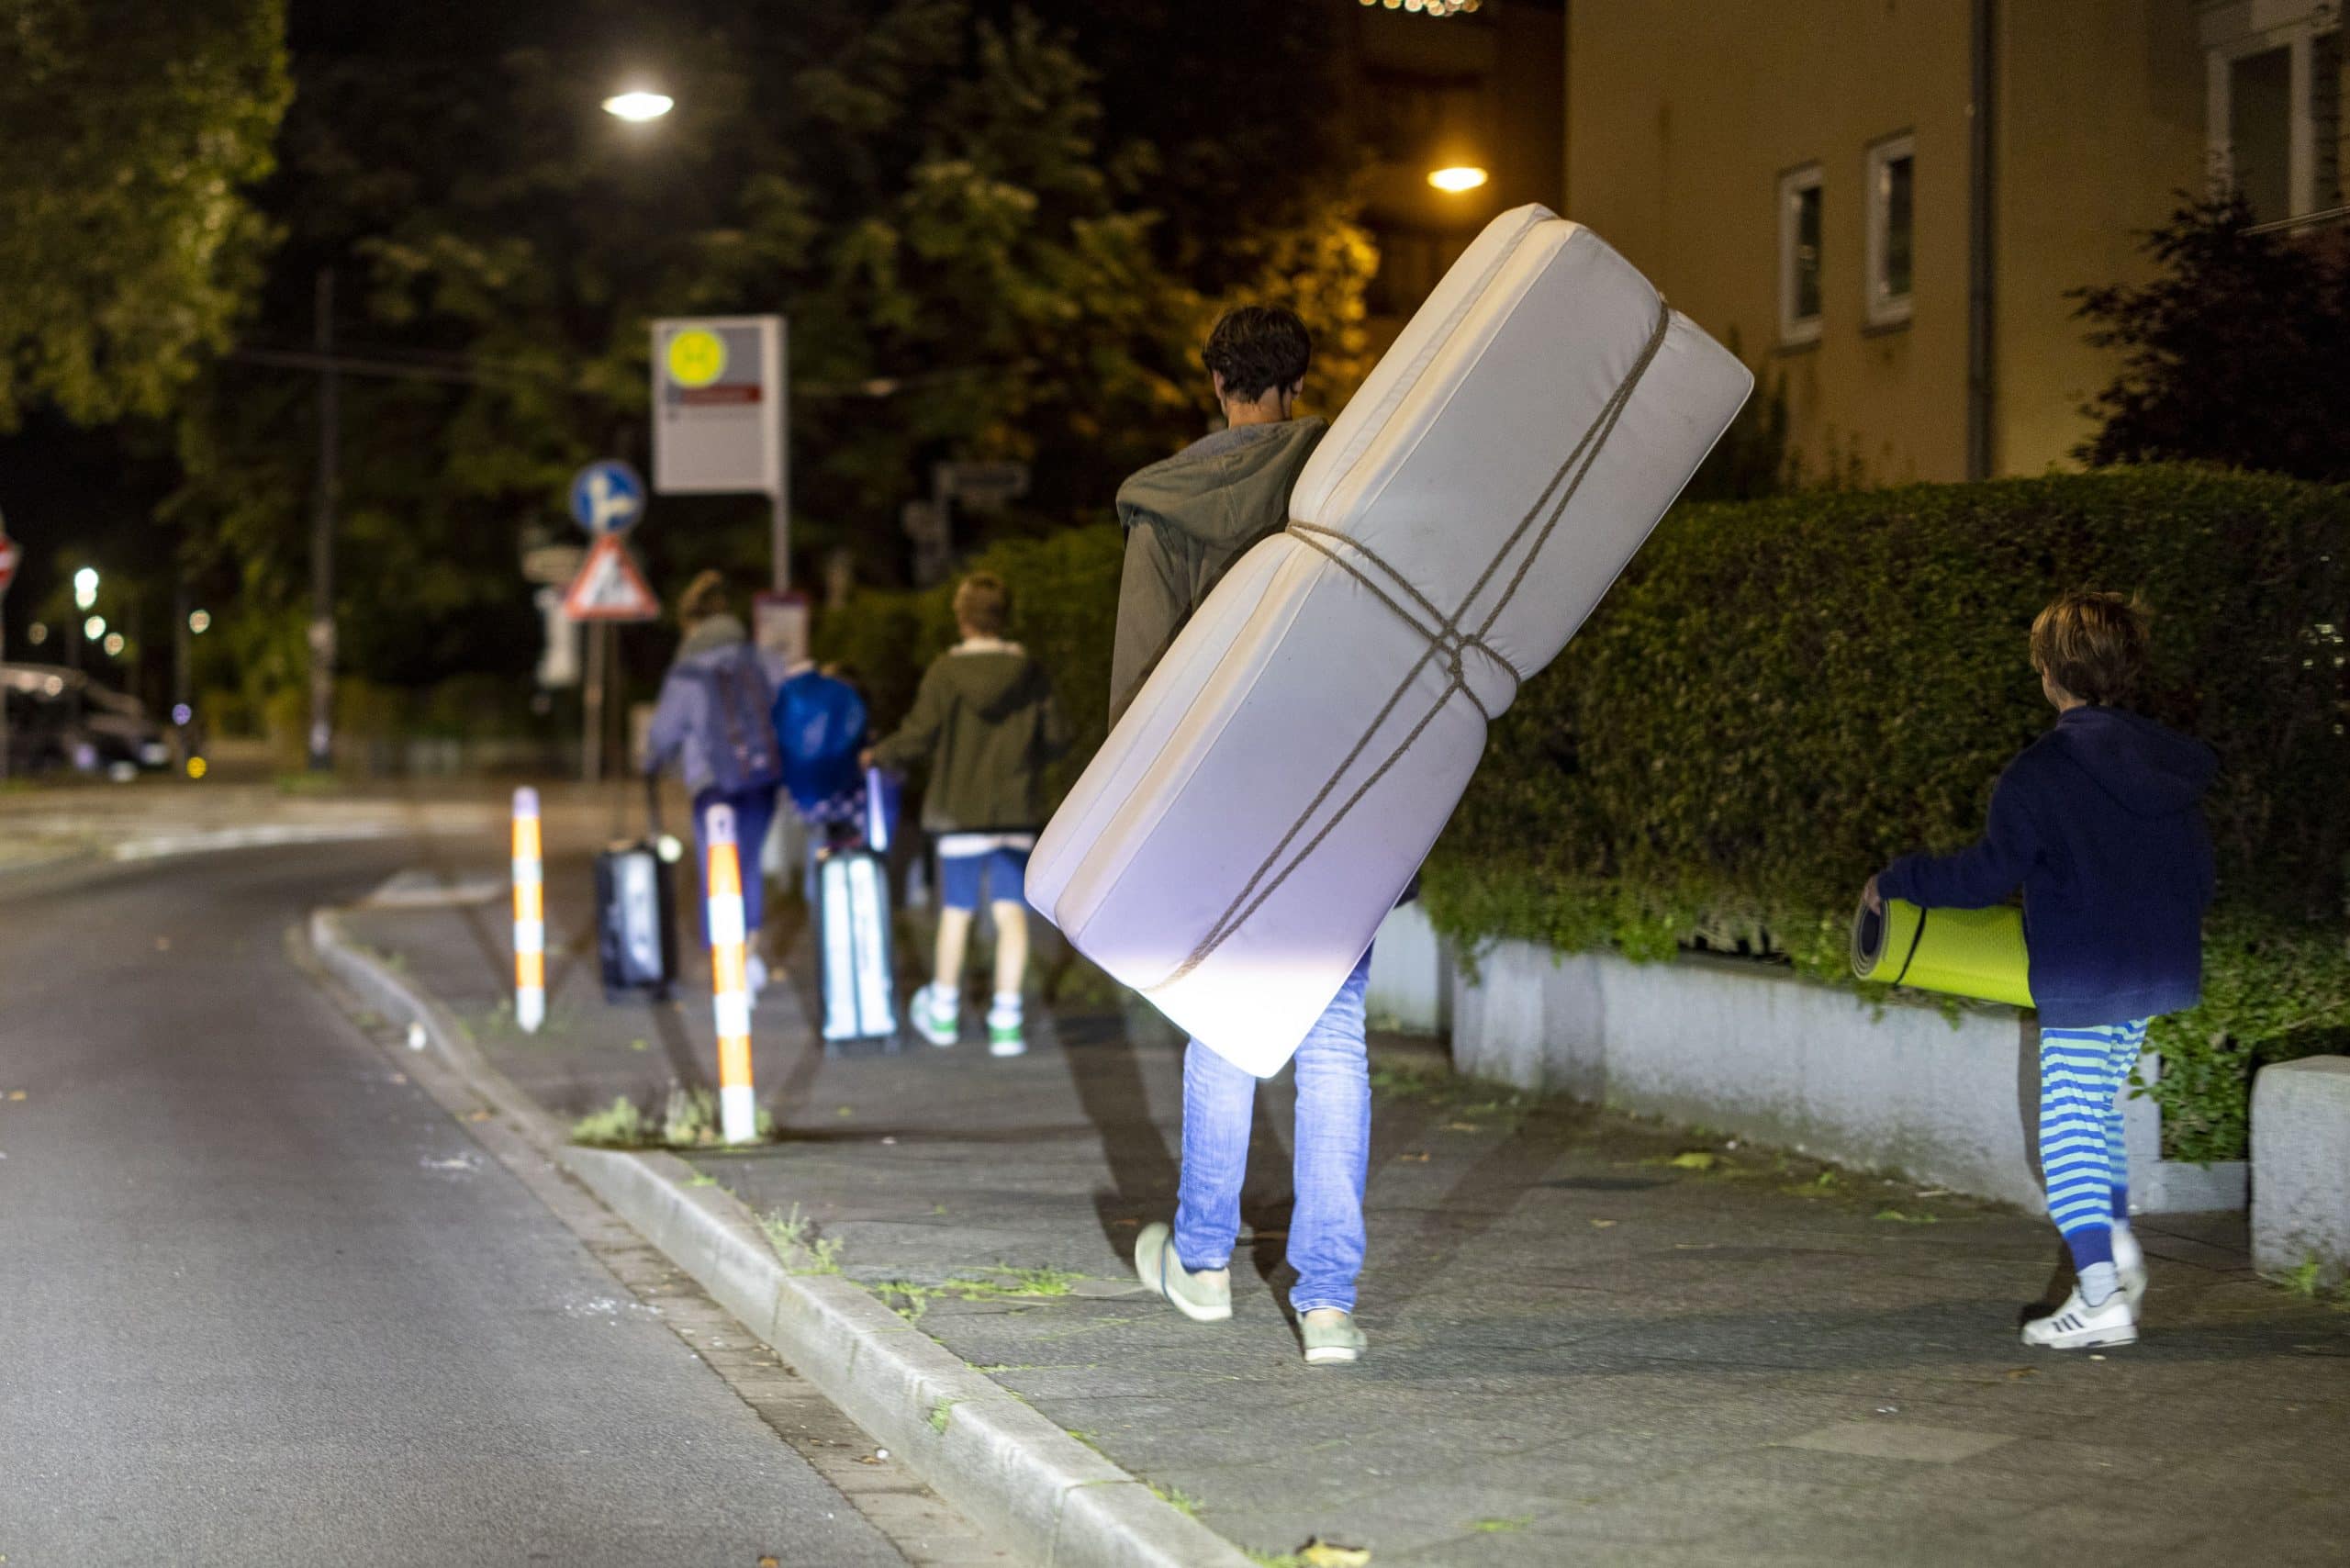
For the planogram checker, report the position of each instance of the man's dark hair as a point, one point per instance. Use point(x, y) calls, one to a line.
point(1256, 347)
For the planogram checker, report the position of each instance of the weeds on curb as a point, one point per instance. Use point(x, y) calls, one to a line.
point(1501, 1527)
point(689, 1119)
point(941, 1414)
point(1175, 1498)
point(621, 1126)
point(793, 1237)
point(2307, 1284)
point(911, 1301)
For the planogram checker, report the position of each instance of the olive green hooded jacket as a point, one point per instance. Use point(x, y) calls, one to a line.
point(1187, 520)
point(985, 721)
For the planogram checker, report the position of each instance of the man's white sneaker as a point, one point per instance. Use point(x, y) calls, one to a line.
point(1205, 1297)
point(2076, 1326)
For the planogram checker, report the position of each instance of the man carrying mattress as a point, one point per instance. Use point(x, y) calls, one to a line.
point(1187, 520)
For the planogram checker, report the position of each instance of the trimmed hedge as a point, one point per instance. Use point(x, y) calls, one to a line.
point(1782, 695)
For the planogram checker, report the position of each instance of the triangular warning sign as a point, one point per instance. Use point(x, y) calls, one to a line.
point(608, 586)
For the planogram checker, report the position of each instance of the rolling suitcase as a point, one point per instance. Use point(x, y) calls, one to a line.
point(636, 911)
point(857, 983)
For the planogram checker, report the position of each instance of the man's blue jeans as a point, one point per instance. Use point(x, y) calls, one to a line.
point(1332, 1152)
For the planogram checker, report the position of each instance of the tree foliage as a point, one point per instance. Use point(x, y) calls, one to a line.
point(133, 134)
point(2234, 353)
point(972, 270)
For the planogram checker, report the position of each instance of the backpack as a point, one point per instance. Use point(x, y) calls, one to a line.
point(821, 723)
point(744, 756)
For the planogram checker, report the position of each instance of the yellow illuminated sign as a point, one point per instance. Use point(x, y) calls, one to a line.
point(697, 357)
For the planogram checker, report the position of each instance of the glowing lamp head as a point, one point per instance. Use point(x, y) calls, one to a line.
point(639, 105)
point(1460, 178)
point(95, 628)
point(85, 587)
point(199, 622)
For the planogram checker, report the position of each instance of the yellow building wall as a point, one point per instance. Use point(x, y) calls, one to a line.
point(2100, 124)
point(1681, 117)
point(1682, 114)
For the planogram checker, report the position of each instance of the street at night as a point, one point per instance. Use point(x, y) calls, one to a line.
point(1314, 783)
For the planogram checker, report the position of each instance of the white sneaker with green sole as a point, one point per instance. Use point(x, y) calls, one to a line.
point(937, 1021)
point(1005, 1034)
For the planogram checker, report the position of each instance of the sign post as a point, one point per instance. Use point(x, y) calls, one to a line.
point(721, 392)
point(607, 500)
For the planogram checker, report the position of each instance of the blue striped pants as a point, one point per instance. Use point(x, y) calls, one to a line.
point(2081, 1159)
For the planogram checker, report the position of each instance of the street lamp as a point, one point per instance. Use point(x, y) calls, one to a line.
point(639, 105)
point(1457, 178)
point(114, 645)
point(199, 622)
point(85, 587)
point(94, 628)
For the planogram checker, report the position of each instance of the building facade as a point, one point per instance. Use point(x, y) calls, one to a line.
point(1886, 204)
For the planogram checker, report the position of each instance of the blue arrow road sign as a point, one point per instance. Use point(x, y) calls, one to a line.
point(607, 497)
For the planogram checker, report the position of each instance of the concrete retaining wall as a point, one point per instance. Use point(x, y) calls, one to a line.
point(2300, 1163)
point(1411, 989)
point(1749, 1050)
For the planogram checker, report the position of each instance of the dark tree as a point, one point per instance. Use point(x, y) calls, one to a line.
point(2235, 354)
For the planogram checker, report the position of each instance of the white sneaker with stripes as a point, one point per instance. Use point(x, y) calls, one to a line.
point(2076, 1326)
point(2130, 1265)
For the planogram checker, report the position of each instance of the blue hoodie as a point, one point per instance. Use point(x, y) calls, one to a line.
point(2100, 822)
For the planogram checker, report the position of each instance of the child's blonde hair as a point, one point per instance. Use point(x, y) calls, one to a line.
point(2093, 644)
point(983, 605)
point(704, 597)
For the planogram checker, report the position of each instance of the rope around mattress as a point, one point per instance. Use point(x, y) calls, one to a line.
point(1447, 640)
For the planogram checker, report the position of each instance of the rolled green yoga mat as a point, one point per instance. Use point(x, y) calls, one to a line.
point(1960, 952)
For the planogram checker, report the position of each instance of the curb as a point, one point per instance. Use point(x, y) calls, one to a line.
point(1021, 1479)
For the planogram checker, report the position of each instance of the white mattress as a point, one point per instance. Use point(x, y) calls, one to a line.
point(1270, 793)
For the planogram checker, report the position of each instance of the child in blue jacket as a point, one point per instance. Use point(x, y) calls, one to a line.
point(2099, 821)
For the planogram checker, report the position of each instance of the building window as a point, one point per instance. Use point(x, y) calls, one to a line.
point(1892, 187)
point(2274, 115)
point(1799, 237)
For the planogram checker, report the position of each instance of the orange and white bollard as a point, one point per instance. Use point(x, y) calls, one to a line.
point(730, 984)
point(529, 915)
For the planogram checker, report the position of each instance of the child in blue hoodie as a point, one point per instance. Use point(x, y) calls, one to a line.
point(2099, 822)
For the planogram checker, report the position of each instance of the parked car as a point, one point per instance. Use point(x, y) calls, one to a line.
point(60, 720)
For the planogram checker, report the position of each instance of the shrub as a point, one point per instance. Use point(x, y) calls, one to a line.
point(1780, 696)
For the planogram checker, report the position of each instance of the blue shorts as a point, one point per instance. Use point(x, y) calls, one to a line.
point(1006, 872)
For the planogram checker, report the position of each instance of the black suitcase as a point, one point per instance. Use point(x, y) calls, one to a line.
point(853, 975)
point(636, 911)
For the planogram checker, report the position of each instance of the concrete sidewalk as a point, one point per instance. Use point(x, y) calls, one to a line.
point(1593, 1340)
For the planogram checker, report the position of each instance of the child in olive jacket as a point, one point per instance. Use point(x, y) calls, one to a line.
point(985, 721)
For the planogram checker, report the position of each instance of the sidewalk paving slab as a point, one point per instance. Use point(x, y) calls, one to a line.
point(1586, 1346)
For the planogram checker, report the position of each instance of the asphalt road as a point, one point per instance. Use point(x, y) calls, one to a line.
point(261, 1302)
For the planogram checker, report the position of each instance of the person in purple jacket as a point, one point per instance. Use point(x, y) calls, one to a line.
point(2100, 823)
